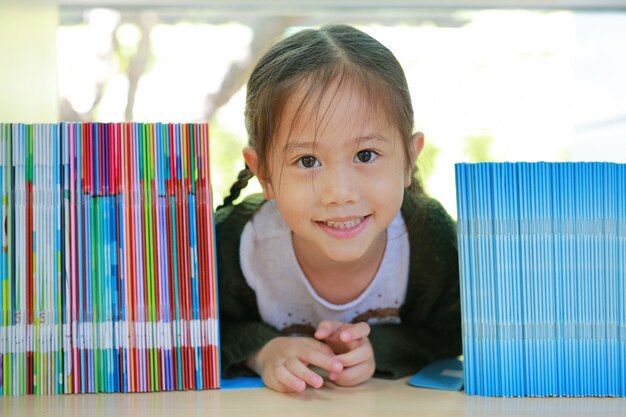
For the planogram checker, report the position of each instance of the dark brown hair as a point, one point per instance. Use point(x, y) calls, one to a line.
point(316, 58)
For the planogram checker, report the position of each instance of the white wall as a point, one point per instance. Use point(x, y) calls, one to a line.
point(28, 70)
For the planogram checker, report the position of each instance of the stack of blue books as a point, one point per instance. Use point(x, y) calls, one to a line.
point(542, 252)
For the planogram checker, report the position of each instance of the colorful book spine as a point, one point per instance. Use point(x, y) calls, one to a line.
point(107, 270)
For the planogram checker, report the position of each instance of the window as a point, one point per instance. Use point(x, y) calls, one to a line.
point(486, 84)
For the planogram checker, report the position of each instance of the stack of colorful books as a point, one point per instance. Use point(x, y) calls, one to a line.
point(107, 272)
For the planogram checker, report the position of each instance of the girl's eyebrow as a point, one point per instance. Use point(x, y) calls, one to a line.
point(372, 137)
point(299, 145)
point(358, 140)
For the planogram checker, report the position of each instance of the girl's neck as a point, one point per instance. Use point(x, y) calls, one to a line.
point(341, 282)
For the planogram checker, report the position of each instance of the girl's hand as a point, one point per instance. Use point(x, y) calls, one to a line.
point(283, 363)
point(354, 350)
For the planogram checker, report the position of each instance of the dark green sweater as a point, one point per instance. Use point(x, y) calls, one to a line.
point(430, 314)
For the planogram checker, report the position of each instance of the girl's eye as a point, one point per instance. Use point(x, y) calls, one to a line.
point(309, 161)
point(365, 156)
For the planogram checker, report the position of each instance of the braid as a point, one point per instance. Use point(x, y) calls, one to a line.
point(241, 183)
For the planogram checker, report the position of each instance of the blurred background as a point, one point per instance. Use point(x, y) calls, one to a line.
point(490, 80)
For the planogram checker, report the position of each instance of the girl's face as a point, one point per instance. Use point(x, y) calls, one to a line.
point(338, 173)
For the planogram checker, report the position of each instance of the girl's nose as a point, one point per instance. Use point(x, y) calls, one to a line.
point(340, 186)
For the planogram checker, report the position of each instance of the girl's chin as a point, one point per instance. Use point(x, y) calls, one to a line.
point(344, 255)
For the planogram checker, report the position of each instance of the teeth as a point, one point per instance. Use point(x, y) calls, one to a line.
point(344, 225)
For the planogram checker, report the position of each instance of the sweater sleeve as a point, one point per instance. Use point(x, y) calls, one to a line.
point(242, 332)
point(431, 318)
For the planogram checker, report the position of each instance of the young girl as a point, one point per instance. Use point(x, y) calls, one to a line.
point(343, 267)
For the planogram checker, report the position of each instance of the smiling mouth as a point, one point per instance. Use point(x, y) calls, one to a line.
point(344, 225)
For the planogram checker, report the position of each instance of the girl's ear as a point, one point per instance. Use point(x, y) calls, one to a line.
point(417, 144)
point(252, 160)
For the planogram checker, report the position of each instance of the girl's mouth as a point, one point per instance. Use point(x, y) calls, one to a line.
point(344, 229)
point(344, 225)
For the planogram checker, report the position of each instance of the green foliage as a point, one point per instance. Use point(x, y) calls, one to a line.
point(427, 161)
point(478, 148)
point(225, 159)
point(127, 38)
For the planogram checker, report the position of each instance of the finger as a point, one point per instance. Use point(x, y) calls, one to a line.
point(289, 380)
point(326, 350)
point(319, 345)
point(356, 374)
point(322, 359)
point(357, 355)
point(322, 333)
point(356, 331)
point(302, 372)
point(280, 387)
point(327, 328)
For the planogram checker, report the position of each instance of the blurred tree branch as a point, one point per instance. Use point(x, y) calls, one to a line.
point(138, 63)
point(265, 32)
point(68, 113)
